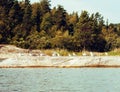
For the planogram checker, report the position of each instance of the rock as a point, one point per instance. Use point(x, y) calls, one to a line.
point(64, 61)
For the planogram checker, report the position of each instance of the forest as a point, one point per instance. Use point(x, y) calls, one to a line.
point(38, 26)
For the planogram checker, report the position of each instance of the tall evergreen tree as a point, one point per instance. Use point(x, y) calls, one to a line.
point(46, 23)
point(5, 6)
point(26, 24)
point(84, 30)
point(15, 16)
point(36, 16)
point(71, 22)
point(45, 6)
point(59, 18)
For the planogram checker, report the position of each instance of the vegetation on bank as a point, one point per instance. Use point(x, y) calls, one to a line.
point(37, 26)
point(72, 53)
point(115, 52)
point(5, 49)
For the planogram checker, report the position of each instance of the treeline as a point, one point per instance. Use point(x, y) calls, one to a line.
point(37, 26)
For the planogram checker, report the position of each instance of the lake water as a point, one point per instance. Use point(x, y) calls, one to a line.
point(60, 80)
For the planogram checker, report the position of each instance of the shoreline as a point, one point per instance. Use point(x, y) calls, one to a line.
point(14, 57)
point(62, 62)
point(101, 66)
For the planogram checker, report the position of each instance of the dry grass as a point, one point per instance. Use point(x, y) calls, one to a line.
point(62, 52)
point(115, 52)
point(47, 52)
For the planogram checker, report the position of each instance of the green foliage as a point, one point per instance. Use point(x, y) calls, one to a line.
point(45, 6)
point(36, 16)
point(46, 23)
point(37, 26)
point(27, 22)
point(111, 37)
point(59, 18)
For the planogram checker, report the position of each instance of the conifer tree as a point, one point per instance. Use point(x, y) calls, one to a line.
point(26, 24)
point(59, 18)
point(45, 6)
point(36, 16)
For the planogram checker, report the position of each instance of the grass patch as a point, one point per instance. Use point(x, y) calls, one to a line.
point(115, 52)
point(64, 52)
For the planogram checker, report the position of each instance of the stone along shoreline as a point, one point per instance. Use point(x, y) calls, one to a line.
point(61, 61)
point(11, 56)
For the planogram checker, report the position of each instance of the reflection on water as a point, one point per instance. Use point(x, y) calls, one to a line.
point(60, 80)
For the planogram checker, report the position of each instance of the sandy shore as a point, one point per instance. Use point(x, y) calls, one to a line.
point(11, 56)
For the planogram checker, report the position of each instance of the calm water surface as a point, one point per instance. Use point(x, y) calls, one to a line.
point(60, 80)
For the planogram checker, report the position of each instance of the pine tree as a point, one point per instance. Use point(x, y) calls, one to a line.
point(36, 16)
point(26, 24)
point(15, 16)
point(45, 6)
point(83, 31)
point(46, 23)
point(59, 18)
point(5, 6)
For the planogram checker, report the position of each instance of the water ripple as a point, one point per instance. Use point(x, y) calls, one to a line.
point(60, 80)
